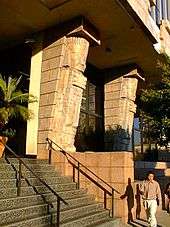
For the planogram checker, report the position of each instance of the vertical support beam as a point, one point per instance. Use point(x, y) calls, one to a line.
point(34, 89)
point(164, 10)
point(168, 9)
point(159, 11)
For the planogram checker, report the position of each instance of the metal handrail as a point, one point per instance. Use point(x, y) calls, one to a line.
point(21, 162)
point(78, 167)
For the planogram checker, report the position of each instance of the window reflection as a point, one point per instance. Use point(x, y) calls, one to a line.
point(90, 130)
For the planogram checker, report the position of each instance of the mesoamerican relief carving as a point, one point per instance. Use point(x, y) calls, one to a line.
point(69, 92)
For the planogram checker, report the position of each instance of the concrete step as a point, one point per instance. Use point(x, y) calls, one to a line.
point(42, 189)
point(8, 193)
point(78, 202)
point(14, 215)
point(29, 190)
point(36, 167)
point(77, 212)
point(87, 220)
point(6, 174)
point(34, 181)
point(32, 209)
point(26, 160)
point(40, 221)
point(109, 222)
point(44, 173)
point(33, 166)
point(19, 202)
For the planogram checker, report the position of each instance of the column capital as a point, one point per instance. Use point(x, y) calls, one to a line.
point(83, 28)
point(134, 74)
point(76, 27)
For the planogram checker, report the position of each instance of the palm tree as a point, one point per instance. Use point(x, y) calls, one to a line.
point(13, 102)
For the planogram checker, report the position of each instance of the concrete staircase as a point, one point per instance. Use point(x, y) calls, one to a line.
point(33, 210)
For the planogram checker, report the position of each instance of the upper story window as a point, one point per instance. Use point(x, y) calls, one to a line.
point(160, 10)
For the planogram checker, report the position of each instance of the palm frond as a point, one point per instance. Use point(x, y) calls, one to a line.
point(12, 86)
point(20, 111)
point(13, 102)
point(19, 97)
point(3, 85)
point(4, 115)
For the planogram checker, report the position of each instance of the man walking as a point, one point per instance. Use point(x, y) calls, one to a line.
point(151, 193)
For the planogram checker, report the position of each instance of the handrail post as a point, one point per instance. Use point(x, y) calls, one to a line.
point(50, 152)
point(105, 200)
point(78, 176)
point(113, 202)
point(19, 179)
point(74, 179)
point(58, 212)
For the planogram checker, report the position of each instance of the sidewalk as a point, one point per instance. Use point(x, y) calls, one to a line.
point(162, 217)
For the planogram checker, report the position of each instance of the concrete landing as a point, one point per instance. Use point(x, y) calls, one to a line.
point(163, 219)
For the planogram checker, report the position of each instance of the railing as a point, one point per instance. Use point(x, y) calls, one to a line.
point(105, 187)
point(160, 11)
point(20, 176)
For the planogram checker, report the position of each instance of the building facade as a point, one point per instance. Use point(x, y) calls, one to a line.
point(87, 62)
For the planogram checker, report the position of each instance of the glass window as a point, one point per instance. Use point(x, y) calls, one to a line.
point(89, 135)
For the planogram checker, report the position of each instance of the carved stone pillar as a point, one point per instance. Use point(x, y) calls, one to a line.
point(120, 95)
point(65, 50)
point(69, 92)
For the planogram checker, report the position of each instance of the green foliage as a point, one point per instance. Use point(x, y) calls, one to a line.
point(13, 103)
point(155, 105)
point(9, 132)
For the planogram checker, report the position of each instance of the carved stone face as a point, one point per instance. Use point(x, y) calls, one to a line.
point(78, 50)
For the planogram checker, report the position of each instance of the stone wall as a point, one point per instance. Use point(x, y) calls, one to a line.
point(141, 8)
point(53, 56)
point(113, 167)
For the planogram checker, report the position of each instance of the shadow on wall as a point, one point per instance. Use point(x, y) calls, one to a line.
point(129, 194)
point(135, 202)
point(116, 139)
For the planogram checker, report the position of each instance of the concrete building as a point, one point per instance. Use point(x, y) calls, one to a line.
point(109, 46)
point(86, 61)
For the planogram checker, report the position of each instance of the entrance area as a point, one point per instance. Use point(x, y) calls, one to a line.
point(15, 62)
point(90, 132)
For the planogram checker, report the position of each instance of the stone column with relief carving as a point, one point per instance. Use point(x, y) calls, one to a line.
point(120, 95)
point(70, 89)
point(65, 51)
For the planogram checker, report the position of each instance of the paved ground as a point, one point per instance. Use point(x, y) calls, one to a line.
point(162, 217)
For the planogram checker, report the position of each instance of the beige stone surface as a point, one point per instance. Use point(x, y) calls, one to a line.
point(34, 89)
point(62, 84)
point(165, 36)
point(142, 10)
point(113, 167)
point(70, 88)
point(49, 75)
point(119, 110)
